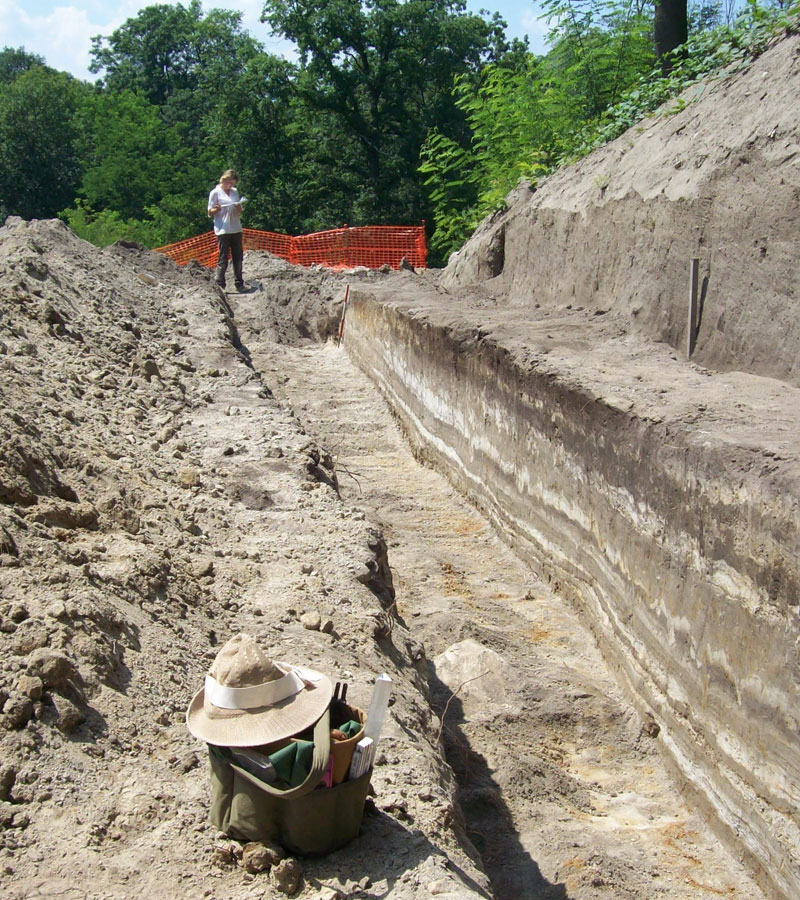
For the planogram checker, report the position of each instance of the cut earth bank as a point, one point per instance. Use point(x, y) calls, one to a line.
point(546, 374)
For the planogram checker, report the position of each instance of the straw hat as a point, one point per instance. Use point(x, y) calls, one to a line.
point(248, 700)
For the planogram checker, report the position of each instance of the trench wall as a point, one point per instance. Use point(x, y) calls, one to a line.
point(688, 578)
point(718, 181)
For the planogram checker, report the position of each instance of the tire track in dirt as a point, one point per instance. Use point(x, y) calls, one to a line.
point(563, 789)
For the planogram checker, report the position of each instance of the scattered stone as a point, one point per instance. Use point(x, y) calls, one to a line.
point(21, 820)
point(187, 762)
point(258, 857)
point(63, 514)
point(330, 893)
point(29, 636)
point(312, 621)
point(56, 610)
point(8, 775)
point(226, 853)
point(189, 477)
point(31, 686)
point(17, 711)
point(203, 568)
point(19, 612)
point(147, 369)
point(64, 714)
point(77, 557)
point(286, 876)
point(327, 626)
point(56, 670)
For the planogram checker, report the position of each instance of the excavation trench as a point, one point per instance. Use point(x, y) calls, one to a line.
point(563, 790)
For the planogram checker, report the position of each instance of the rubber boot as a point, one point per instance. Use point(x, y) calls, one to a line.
point(219, 276)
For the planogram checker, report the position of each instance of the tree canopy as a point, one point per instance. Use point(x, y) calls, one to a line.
point(167, 50)
point(372, 80)
point(40, 137)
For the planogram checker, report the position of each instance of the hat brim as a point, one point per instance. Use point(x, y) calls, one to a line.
point(263, 725)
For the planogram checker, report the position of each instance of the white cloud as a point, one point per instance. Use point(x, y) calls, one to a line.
point(536, 28)
point(63, 34)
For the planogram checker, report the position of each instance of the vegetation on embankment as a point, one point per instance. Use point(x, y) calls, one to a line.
point(390, 113)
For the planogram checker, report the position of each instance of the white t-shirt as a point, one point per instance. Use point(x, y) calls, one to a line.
point(228, 219)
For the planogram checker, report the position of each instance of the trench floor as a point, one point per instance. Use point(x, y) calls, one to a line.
point(563, 787)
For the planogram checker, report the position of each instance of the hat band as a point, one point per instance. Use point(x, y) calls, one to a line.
point(254, 696)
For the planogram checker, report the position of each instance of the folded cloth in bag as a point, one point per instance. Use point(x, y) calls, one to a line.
point(308, 820)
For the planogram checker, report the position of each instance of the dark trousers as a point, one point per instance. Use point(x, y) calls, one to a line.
point(232, 242)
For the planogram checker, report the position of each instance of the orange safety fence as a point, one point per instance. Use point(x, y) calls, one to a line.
point(372, 246)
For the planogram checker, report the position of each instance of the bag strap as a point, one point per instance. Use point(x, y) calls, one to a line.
point(319, 763)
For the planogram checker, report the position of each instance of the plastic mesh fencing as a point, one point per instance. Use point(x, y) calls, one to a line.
point(372, 246)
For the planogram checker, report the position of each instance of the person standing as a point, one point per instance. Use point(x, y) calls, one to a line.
point(225, 205)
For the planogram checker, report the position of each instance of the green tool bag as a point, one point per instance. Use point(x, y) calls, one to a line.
point(308, 820)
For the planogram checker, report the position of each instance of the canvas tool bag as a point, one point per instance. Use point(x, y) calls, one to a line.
point(308, 820)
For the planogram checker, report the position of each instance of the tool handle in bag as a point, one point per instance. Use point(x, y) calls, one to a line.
point(319, 763)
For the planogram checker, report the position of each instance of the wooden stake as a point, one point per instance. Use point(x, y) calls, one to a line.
point(691, 335)
point(344, 310)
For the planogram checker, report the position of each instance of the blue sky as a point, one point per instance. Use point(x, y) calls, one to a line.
point(62, 32)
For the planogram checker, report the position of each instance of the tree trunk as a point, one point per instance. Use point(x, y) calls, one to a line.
point(670, 30)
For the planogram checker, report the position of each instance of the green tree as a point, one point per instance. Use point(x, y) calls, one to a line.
point(40, 134)
point(165, 51)
point(128, 155)
point(167, 77)
point(14, 63)
point(511, 119)
point(599, 49)
point(524, 113)
point(141, 169)
point(372, 80)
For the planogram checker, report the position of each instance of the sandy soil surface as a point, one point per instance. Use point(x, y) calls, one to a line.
point(154, 500)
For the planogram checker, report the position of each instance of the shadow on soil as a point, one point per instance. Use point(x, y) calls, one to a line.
point(487, 821)
point(366, 857)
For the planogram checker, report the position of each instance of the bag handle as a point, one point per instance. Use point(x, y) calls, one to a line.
point(319, 762)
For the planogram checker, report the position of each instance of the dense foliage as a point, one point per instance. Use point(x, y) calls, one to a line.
point(585, 92)
point(390, 111)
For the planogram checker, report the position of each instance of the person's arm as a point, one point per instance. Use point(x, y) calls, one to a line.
point(213, 203)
